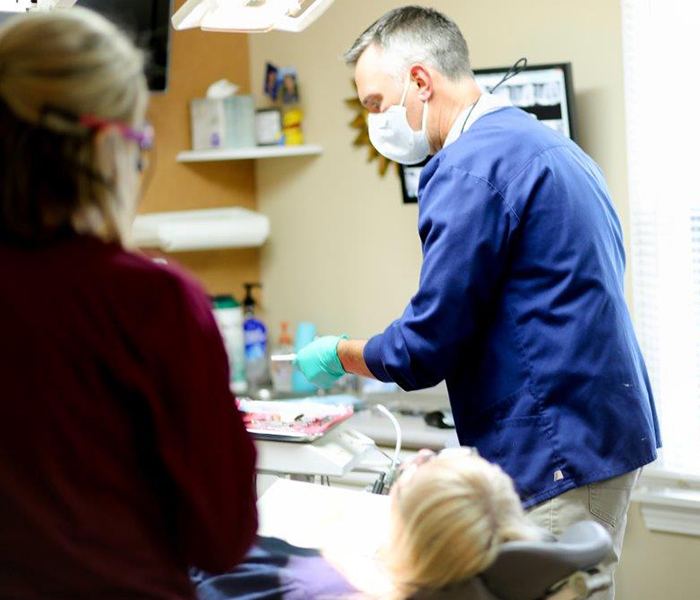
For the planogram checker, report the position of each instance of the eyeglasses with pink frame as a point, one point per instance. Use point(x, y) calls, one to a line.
point(144, 137)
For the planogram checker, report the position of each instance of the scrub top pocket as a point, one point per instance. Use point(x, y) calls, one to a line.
point(524, 448)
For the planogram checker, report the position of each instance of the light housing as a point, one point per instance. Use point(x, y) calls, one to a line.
point(249, 16)
point(20, 6)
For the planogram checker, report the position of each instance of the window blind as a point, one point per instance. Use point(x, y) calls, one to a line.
point(661, 49)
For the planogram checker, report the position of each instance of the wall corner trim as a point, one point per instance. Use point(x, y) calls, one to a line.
point(669, 509)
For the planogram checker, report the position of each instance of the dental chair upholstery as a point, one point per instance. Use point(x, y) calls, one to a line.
point(529, 570)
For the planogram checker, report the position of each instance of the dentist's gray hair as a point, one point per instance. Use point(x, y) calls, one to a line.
point(415, 34)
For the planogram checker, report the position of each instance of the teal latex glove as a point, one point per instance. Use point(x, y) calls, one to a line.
point(319, 361)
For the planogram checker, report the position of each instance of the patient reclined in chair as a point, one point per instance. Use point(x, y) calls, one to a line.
point(455, 529)
point(562, 569)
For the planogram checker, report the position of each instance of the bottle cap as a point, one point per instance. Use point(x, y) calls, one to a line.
point(285, 337)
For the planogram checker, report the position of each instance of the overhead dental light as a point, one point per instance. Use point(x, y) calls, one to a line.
point(249, 16)
point(19, 6)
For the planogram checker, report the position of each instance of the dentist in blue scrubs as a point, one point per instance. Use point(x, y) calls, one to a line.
point(520, 307)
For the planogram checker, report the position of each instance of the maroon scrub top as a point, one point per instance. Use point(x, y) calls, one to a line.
point(123, 459)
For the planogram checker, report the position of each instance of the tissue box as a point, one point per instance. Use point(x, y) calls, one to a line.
point(207, 121)
point(222, 122)
point(239, 116)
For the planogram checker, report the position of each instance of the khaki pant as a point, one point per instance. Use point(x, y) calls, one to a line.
point(605, 501)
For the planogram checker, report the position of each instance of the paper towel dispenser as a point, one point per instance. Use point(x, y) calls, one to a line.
point(205, 229)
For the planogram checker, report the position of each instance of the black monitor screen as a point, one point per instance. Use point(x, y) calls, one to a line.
point(148, 22)
point(545, 91)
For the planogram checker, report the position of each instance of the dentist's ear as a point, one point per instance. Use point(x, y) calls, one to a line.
point(421, 77)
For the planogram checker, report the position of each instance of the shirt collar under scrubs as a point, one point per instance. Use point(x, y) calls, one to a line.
point(486, 104)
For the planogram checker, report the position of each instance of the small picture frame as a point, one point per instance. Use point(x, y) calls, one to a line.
point(268, 126)
point(272, 81)
point(410, 176)
point(288, 86)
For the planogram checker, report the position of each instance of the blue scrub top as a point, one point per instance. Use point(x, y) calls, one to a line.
point(521, 310)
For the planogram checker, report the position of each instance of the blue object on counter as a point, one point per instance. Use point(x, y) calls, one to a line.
point(255, 341)
point(305, 334)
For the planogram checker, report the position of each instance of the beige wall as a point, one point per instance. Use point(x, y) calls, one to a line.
point(657, 566)
point(344, 250)
point(197, 59)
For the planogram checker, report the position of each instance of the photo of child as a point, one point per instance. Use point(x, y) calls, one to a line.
point(290, 91)
point(272, 83)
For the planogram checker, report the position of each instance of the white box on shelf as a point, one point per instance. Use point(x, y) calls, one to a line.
point(239, 115)
point(222, 122)
point(208, 123)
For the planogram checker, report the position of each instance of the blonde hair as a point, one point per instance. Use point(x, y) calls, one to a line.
point(449, 521)
point(56, 67)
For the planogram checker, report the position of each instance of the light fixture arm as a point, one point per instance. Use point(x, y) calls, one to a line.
point(297, 24)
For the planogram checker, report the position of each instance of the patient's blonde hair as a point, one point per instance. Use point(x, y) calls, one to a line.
point(54, 68)
point(449, 520)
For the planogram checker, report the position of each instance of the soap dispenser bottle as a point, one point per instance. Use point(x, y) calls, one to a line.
point(255, 337)
point(229, 318)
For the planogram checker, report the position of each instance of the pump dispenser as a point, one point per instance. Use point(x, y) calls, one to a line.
point(249, 302)
point(255, 336)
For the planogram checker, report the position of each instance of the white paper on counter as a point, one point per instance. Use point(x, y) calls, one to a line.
point(315, 516)
point(349, 527)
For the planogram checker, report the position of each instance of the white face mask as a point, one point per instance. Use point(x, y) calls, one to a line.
point(393, 137)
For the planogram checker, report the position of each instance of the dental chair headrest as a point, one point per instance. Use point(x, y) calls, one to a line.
point(527, 570)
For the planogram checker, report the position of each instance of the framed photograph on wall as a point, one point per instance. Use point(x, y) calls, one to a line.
point(409, 175)
point(268, 126)
point(544, 91)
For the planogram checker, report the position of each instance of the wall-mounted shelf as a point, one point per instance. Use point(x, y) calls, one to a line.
point(248, 153)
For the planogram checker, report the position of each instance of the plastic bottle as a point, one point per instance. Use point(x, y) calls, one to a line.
point(255, 338)
point(282, 371)
point(229, 318)
point(306, 333)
